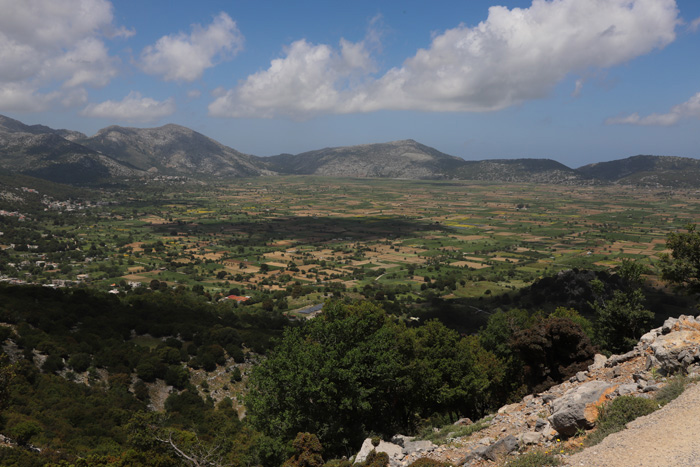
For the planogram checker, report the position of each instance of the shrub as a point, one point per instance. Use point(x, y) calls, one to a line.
point(427, 462)
point(673, 389)
point(618, 413)
point(376, 459)
point(338, 463)
point(23, 431)
point(52, 364)
point(535, 459)
point(307, 452)
point(80, 362)
point(452, 431)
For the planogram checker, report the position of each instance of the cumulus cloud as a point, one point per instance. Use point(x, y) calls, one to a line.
point(305, 81)
point(309, 79)
point(21, 97)
point(133, 108)
point(44, 43)
point(513, 56)
point(182, 57)
point(688, 109)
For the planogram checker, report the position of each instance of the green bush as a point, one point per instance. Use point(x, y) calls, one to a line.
point(23, 431)
point(535, 459)
point(451, 431)
point(618, 413)
point(52, 364)
point(80, 362)
point(673, 389)
point(427, 462)
point(307, 452)
point(338, 463)
point(376, 459)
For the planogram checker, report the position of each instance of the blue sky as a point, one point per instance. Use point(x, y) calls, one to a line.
point(578, 81)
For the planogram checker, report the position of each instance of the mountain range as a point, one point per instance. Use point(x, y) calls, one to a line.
point(116, 152)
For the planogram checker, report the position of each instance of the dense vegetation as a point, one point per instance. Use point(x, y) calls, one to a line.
point(424, 320)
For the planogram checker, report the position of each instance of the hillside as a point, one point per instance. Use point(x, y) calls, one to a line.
point(556, 420)
point(173, 150)
point(518, 170)
point(396, 159)
point(42, 152)
point(646, 170)
point(115, 152)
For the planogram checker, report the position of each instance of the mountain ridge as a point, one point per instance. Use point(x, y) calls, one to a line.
point(68, 156)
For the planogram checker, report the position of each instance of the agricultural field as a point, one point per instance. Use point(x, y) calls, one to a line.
point(289, 243)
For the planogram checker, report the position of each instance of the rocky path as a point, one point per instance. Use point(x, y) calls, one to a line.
point(668, 437)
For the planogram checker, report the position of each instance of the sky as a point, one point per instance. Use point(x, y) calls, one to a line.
point(577, 81)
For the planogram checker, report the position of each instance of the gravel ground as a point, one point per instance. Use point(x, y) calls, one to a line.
point(667, 437)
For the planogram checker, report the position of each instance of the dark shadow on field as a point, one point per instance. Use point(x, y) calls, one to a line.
point(309, 230)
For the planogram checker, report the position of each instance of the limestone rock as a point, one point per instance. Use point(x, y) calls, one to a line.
point(577, 408)
point(598, 362)
point(501, 448)
point(617, 359)
point(394, 451)
point(531, 437)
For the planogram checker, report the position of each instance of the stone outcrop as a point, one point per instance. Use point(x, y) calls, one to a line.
point(674, 347)
point(398, 449)
point(578, 407)
point(394, 451)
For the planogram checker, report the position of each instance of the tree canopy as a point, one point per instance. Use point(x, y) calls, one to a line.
point(355, 370)
point(682, 266)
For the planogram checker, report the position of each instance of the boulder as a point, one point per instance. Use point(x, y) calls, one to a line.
point(626, 389)
point(495, 451)
point(394, 451)
point(501, 448)
point(675, 351)
point(598, 362)
point(531, 437)
point(410, 447)
point(578, 407)
point(475, 454)
point(617, 359)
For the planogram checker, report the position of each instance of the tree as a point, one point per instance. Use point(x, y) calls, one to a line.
point(338, 377)
point(307, 452)
point(7, 374)
point(355, 370)
point(682, 266)
point(552, 350)
point(620, 320)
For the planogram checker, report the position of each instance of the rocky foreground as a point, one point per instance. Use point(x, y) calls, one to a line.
point(550, 419)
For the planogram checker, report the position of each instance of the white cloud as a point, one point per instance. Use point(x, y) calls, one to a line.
point(20, 97)
point(303, 82)
point(695, 24)
point(310, 79)
point(688, 109)
point(511, 57)
point(184, 58)
point(133, 108)
point(44, 43)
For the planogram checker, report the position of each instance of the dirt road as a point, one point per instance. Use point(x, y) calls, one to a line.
point(667, 437)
